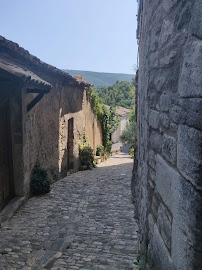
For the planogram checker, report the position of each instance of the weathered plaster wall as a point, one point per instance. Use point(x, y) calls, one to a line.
point(122, 125)
point(167, 185)
point(84, 120)
point(46, 129)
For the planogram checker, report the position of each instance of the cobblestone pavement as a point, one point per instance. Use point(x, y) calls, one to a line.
point(85, 222)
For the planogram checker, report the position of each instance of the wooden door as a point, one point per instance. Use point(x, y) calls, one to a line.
point(70, 144)
point(6, 181)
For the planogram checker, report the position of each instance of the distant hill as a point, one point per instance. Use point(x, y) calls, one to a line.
point(101, 78)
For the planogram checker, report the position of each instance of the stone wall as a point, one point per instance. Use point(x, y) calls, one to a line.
point(46, 129)
point(124, 119)
point(167, 184)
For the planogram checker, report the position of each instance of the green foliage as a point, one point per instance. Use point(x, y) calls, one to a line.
point(132, 114)
point(141, 257)
point(129, 134)
point(108, 147)
point(131, 150)
point(85, 138)
point(86, 156)
point(100, 150)
point(104, 119)
point(95, 103)
point(137, 264)
point(40, 183)
point(119, 94)
point(114, 119)
point(108, 118)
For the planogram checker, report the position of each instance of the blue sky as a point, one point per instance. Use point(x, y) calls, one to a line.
point(95, 35)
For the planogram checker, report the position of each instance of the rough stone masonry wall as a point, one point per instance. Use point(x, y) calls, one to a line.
point(168, 182)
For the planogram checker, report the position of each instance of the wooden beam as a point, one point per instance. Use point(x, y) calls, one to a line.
point(34, 101)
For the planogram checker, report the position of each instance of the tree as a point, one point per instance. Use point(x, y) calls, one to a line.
point(129, 134)
point(118, 94)
point(114, 119)
point(108, 119)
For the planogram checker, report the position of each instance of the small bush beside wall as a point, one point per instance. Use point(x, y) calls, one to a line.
point(40, 182)
point(86, 157)
point(108, 147)
point(86, 154)
point(100, 150)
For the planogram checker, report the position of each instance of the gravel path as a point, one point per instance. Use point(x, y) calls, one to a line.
point(85, 222)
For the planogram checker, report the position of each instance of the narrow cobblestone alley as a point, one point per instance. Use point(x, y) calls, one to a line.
point(85, 222)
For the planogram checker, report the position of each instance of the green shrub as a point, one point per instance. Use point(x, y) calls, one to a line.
point(86, 156)
point(100, 150)
point(128, 135)
point(40, 183)
point(108, 147)
point(108, 118)
point(131, 150)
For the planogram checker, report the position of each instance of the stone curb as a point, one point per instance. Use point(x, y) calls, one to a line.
point(8, 212)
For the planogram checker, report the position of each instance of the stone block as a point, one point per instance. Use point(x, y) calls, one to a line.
point(173, 127)
point(167, 57)
point(182, 252)
point(177, 114)
point(151, 184)
point(164, 224)
point(168, 5)
point(156, 141)
point(154, 60)
point(152, 174)
point(192, 111)
point(164, 119)
point(189, 154)
point(166, 101)
point(196, 20)
point(152, 161)
point(154, 119)
point(152, 101)
point(151, 223)
point(158, 254)
point(169, 149)
point(157, 81)
point(184, 15)
point(167, 28)
point(155, 204)
point(165, 175)
point(181, 198)
point(191, 80)
point(187, 211)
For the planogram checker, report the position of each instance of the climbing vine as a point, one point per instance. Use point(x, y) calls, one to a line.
point(108, 119)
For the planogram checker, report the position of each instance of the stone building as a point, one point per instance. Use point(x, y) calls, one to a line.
point(167, 179)
point(43, 114)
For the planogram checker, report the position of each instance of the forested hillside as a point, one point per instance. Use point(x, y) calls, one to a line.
point(101, 78)
point(118, 94)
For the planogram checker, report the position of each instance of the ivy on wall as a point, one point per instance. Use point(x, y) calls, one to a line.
point(108, 119)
